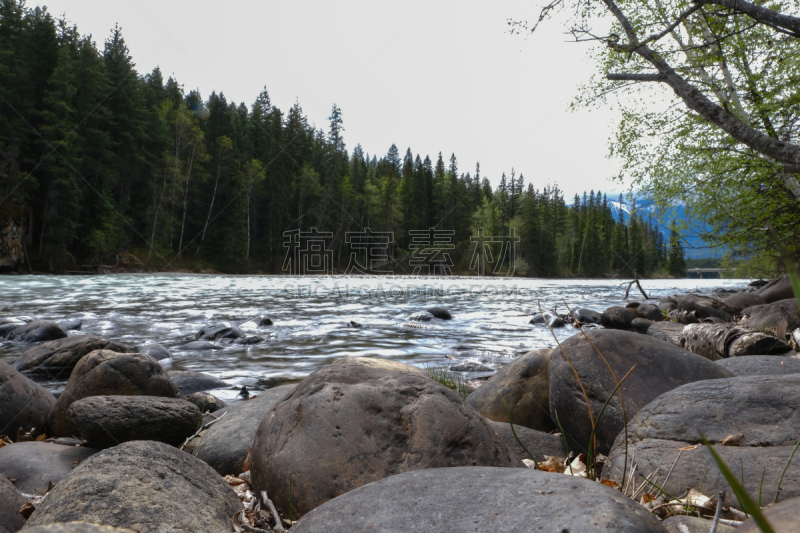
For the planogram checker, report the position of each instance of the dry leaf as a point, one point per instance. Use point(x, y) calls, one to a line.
point(687, 448)
point(553, 464)
point(577, 467)
point(41, 437)
point(732, 440)
point(27, 510)
point(246, 465)
point(529, 463)
point(230, 480)
point(609, 483)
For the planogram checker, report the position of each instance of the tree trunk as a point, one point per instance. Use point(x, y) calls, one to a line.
point(186, 198)
point(718, 341)
point(666, 331)
point(211, 207)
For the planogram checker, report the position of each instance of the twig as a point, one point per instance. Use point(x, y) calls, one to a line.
point(252, 529)
point(673, 504)
point(266, 501)
point(206, 426)
point(720, 501)
point(671, 469)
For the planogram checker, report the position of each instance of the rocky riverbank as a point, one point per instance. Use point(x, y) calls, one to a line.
point(606, 435)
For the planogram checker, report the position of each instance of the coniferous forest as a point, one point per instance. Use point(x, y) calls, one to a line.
point(98, 159)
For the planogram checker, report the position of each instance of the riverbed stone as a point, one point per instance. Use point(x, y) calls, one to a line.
point(156, 351)
point(224, 445)
point(36, 464)
point(76, 527)
point(777, 289)
point(378, 362)
point(705, 307)
point(523, 384)
point(59, 357)
point(768, 315)
point(443, 500)
point(220, 330)
point(421, 316)
point(37, 331)
point(660, 367)
point(617, 318)
point(10, 502)
point(207, 403)
point(199, 346)
point(782, 516)
point(348, 425)
point(146, 486)
point(693, 524)
point(70, 324)
point(538, 443)
point(650, 312)
point(440, 313)
point(756, 414)
point(743, 300)
point(641, 324)
point(761, 365)
point(668, 304)
point(103, 373)
point(190, 382)
point(23, 403)
point(586, 316)
point(106, 421)
point(260, 321)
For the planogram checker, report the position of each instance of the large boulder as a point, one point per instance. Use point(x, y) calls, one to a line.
point(146, 486)
point(59, 357)
point(107, 373)
point(76, 527)
point(523, 384)
point(189, 382)
point(10, 502)
point(782, 516)
point(650, 312)
point(777, 289)
point(755, 416)
point(767, 316)
point(660, 367)
point(440, 313)
point(207, 403)
point(37, 331)
point(225, 444)
point(156, 351)
point(743, 300)
point(347, 425)
point(377, 362)
point(23, 403)
point(480, 499)
point(538, 443)
point(700, 307)
point(220, 330)
point(105, 421)
point(34, 465)
point(586, 316)
point(617, 318)
point(761, 365)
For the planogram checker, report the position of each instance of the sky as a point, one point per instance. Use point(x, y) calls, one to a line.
point(432, 75)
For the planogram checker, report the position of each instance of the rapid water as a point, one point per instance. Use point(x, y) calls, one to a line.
point(310, 314)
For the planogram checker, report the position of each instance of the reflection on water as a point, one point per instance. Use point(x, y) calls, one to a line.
point(310, 315)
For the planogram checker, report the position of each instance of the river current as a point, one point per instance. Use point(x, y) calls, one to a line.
point(311, 314)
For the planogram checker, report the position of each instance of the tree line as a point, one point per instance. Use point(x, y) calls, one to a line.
point(101, 159)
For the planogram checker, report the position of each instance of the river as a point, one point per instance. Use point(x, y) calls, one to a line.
point(310, 315)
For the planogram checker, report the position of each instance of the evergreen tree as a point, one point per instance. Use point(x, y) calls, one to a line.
point(676, 262)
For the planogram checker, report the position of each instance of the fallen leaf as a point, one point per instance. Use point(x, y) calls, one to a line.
point(609, 483)
point(553, 464)
point(41, 437)
point(687, 448)
point(246, 465)
point(577, 467)
point(27, 510)
point(732, 440)
point(529, 463)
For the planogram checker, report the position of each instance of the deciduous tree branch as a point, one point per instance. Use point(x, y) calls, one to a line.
point(624, 76)
point(759, 13)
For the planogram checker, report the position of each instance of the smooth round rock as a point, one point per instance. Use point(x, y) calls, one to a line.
point(743, 300)
point(782, 516)
point(220, 330)
point(706, 307)
point(480, 499)
point(70, 324)
point(756, 414)
point(617, 318)
point(650, 312)
point(660, 367)
point(198, 346)
point(668, 304)
point(58, 358)
point(348, 425)
point(586, 316)
point(377, 362)
point(37, 331)
point(23, 403)
point(190, 382)
point(761, 365)
point(767, 315)
point(35, 464)
point(440, 313)
point(538, 443)
point(107, 373)
point(777, 289)
point(10, 502)
point(142, 485)
point(641, 324)
point(76, 527)
point(207, 403)
point(524, 386)
point(156, 351)
point(106, 421)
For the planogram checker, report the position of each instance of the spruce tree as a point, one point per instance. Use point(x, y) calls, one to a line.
point(676, 261)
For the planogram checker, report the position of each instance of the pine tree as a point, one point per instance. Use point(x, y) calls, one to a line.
point(676, 262)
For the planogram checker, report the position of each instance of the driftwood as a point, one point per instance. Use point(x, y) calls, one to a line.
point(203, 427)
point(718, 341)
point(266, 501)
point(630, 284)
point(666, 331)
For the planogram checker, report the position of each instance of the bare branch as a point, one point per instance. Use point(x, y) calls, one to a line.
point(623, 76)
point(759, 13)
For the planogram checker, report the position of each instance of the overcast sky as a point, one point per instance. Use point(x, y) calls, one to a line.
point(433, 75)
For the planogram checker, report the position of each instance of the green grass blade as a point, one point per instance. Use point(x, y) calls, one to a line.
point(511, 423)
point(785, 468)
point(564, 437)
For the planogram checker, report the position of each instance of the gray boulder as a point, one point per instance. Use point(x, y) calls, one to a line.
point(37, 331)
point(617, 318)
point(207, 403)
point(70, 324)
point(693, 524)
point(190, 382)
point(10, 502)
point(742, 300)
point(777, 289)
point(23, 403)
point(757, 416)
point(106, 421)
point(377, 362)
point(650, 312)
point(76, 527)
point(768, 315)
point(444, 500)
point(348, 425)
point(198, 346)
point(668, 304)
point(642, 325)
point(220, 330)
point(538, 443)
point(660, 367)
point(224, 446)
point(523, 384)
point(147, 486)
point(156, 351)
point(701, 307)
point(761, 365)
point(36, 464)
point(107, 373)
point(59, 357)
point(440, 313)
point(586, 316)
point(782, 516)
